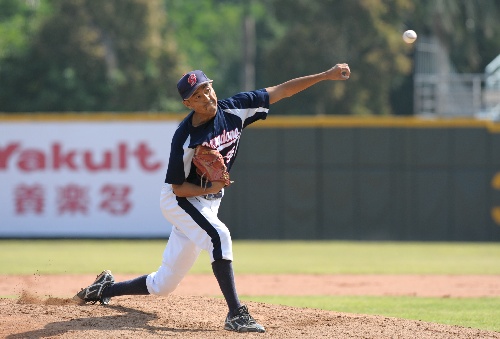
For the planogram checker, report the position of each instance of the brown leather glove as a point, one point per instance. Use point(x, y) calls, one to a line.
point(210, 165)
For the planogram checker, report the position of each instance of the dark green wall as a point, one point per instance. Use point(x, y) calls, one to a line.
point(365, 183)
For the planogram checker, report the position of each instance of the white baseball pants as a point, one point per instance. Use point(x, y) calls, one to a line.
point(196, 227)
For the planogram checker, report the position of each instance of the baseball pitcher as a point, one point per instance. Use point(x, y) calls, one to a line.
point(203, 151)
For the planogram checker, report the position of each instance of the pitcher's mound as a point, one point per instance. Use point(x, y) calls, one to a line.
point(200, 317)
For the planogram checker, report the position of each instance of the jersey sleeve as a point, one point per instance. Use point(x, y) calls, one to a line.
point(248, 106)
point(179, 152)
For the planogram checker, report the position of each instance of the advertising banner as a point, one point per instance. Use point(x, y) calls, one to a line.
point(83, 179)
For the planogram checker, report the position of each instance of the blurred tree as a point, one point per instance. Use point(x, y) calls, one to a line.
point(95, 56)
point(469, 29)
point(366, 34)
point(127, 55)
point(210, 34)
point(19, 21)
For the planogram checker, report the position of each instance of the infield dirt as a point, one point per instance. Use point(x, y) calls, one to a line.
point(44, 308)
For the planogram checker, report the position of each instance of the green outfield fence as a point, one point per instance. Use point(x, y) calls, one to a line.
point(367, 179)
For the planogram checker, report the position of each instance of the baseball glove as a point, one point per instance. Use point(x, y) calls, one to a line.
point(210, 165)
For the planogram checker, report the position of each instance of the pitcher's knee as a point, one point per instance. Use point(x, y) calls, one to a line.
point(164, 290)
point(160, 285)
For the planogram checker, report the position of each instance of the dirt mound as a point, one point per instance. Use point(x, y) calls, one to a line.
point(444, 286)
point(184, 316)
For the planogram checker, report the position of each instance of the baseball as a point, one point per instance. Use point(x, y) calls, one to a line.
point(409, 36)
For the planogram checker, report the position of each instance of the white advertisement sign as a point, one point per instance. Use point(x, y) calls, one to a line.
point(83, 179)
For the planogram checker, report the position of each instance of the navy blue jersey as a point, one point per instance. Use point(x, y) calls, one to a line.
point(223, 133)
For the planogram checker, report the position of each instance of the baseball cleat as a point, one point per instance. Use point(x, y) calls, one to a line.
point(93, 292)
point(243, 322)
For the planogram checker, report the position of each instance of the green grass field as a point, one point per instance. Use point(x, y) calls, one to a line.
point(313, 257)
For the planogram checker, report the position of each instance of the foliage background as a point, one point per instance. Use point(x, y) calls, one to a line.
point(127, 55)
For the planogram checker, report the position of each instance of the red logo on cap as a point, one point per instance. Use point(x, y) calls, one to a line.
point(192, 79)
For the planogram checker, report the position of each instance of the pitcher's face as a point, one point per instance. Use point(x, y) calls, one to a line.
point(203, 100)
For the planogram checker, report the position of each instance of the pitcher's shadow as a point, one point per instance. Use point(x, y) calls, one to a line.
point(130, 319)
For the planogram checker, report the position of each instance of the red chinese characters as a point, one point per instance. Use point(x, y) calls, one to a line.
point(29, 199)
point(72, 199)
point(113, 199)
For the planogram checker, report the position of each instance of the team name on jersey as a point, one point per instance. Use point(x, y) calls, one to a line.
point(224, 139)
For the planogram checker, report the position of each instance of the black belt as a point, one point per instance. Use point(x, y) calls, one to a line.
point(213, 196)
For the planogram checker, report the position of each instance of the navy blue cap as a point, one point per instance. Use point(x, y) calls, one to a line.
point(190, 82)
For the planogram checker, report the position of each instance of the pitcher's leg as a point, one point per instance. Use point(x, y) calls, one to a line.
point(218, 243)
point(135, 286)
point(223, 271)
point(178, 258)
point(201, 224)
point(198, 220)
